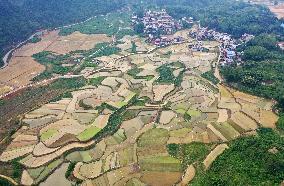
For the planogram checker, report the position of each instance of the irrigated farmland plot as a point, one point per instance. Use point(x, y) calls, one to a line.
point(143, 117)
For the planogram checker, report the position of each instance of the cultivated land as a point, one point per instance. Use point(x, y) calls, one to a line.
point(115, 128)
point(277, 9)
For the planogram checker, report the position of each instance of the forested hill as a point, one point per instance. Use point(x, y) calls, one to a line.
point(233, 17)
point(21, 18)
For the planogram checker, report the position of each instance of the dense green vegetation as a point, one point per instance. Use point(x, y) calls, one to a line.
point(71, 83)
point(233, 17)
point(133, 47)
point(17, 169)
point(166, 74)
point(96, 81)
point(280, 123)
point(35, 40)
point(211, 77)
point(115, 119)
point(117, 23)
point(262, 70)
point(5, 182)
point(248, 161)
point(70, 169)
point(187, 116)
point(19, 19)
point(188, 153)
point(135, 70)
point(53, 64)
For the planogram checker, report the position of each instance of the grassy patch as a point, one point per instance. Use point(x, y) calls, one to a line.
point(48, 169)
point(128, 115)
point(96, 81)
point(160, 163)
point(194, 113)
point(134, 71)
point(48, 134)
point(86, 157)
point(88, 133)
point(180, 132)
point(153, 137)
point(119, 136)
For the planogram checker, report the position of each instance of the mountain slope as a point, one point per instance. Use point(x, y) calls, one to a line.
point(20, 18)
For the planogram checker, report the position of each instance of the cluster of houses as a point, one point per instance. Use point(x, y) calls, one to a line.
point(228, 43)
point(281, 45)
point(159, 26)
point(197, 46)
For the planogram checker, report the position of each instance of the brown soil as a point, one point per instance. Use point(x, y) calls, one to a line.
point(278, 10)
point(23, 68)
point(67, 138)
point(20, 71)
point(19, 104)
point(76, 41)
point(161, 178)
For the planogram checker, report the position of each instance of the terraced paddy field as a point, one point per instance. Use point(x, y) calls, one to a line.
point(123, 128)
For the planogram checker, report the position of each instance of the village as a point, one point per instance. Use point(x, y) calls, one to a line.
point(159, 29)
point(228, 52)
point(138, 97)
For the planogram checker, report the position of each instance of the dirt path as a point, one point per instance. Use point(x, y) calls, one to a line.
point(217, 71)
point(9, 179)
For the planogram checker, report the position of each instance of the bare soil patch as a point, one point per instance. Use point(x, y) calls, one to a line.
point(278, 10)
point(214, 154)
point(160, 178)
point(76, 41)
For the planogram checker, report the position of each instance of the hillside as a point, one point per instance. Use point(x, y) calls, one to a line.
point(118, 100)
point(19, 19)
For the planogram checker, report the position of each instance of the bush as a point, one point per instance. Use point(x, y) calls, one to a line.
point(166, 74)
point(17, 169)
point(70, 169)
point(187, 117)
point(188, 153)
point(96, 81)
point(211, 77)
point(280, 122)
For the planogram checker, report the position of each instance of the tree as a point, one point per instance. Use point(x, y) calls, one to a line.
point(256, 53)
point(139, 28)
point(280, 122)
point(267, 41)
point(133, 47)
